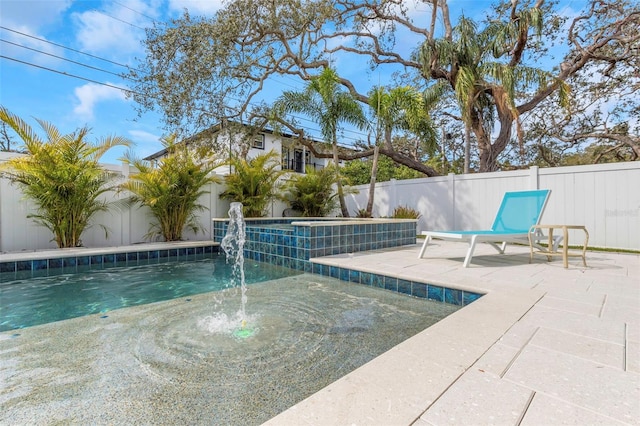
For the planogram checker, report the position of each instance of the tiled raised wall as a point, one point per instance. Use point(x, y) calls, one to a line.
point(412, 288)
point(56, 265)
point(291, 243)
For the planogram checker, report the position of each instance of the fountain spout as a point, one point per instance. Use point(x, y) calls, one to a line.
point(233, 246)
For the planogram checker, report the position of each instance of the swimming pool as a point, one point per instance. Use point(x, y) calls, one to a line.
point(164, 363)
point(40, 300)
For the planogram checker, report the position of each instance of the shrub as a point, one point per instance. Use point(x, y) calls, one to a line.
point(404, 212)
point(362, 213)
point(312, 193)
point(171, 190)
point(254, 183)
point(62, 176)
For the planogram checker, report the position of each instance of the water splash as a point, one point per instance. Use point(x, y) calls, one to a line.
point(221, 323)
point(233, 246)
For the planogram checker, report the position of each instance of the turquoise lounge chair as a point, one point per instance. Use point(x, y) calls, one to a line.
point(518, 212)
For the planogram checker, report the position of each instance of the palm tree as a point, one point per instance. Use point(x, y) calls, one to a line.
point(62, 176)
point(312, 193)
point(323, 101)
point(171, 190)
point(254, 183)
point(486, 85)
point(400, 108)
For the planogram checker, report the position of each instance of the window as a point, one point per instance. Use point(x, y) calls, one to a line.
point(258, 142)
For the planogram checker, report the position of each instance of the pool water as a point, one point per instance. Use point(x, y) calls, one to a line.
point(34, 301)
point(163, 363)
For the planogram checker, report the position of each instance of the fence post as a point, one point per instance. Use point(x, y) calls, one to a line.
point(534, 174)
point(393, 196)
point(451, 184)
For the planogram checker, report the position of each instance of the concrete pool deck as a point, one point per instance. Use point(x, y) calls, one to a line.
point(546, 345)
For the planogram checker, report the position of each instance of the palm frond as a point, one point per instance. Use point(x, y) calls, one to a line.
point(23, 130)
point(61, 178)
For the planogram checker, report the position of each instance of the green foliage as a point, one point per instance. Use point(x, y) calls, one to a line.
point(363, 214)
point(485, 69)
point(495, 72)
point(359, 171)
point(404, 212)
point(62, 176)
point(254, 183)
point(404, 108)
point(312, 193)
point(325, 102)
point(171, 190)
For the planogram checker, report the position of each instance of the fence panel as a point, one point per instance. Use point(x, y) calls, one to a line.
point(125, 225)
point(603, 197)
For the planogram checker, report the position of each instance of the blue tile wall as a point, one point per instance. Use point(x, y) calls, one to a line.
point(278, 242)
point(435, 292)
point(419, 290)
point(391, 283)
point(468, 297)
point(408, 287)
point(24, 269)
point(453, 296)
point(404, 286)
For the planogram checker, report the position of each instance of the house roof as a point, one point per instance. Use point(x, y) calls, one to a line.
point(212, 131)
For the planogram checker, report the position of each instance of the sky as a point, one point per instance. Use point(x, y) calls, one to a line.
point(61, 61)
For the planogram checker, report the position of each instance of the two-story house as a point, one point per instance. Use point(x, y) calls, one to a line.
point(242, 140)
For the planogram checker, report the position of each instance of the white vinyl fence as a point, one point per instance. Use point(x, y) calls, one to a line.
point(125, 226)
point(605, 198)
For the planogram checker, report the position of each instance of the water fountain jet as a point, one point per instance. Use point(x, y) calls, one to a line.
point(233, 246)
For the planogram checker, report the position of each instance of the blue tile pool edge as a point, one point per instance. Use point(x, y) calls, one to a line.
point(64, 264)
point(413, 288)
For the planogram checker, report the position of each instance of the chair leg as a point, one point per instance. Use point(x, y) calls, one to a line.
point(424, 246)
point(472, 247)
point(500, 248)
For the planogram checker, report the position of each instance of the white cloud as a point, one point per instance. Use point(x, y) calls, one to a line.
point(417, 9)
point(90, 94)
point(24, 26)
point(146, 143)
point(143, 136)
point(32, 14)
point(114, 31)
point(204, 7)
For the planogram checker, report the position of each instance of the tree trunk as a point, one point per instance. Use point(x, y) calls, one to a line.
point(372, 185)
point(467, 148)
point(387, 151)
point(488, 151)
point(336, 160)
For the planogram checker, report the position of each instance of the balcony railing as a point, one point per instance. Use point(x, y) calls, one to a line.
point(299, 166)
